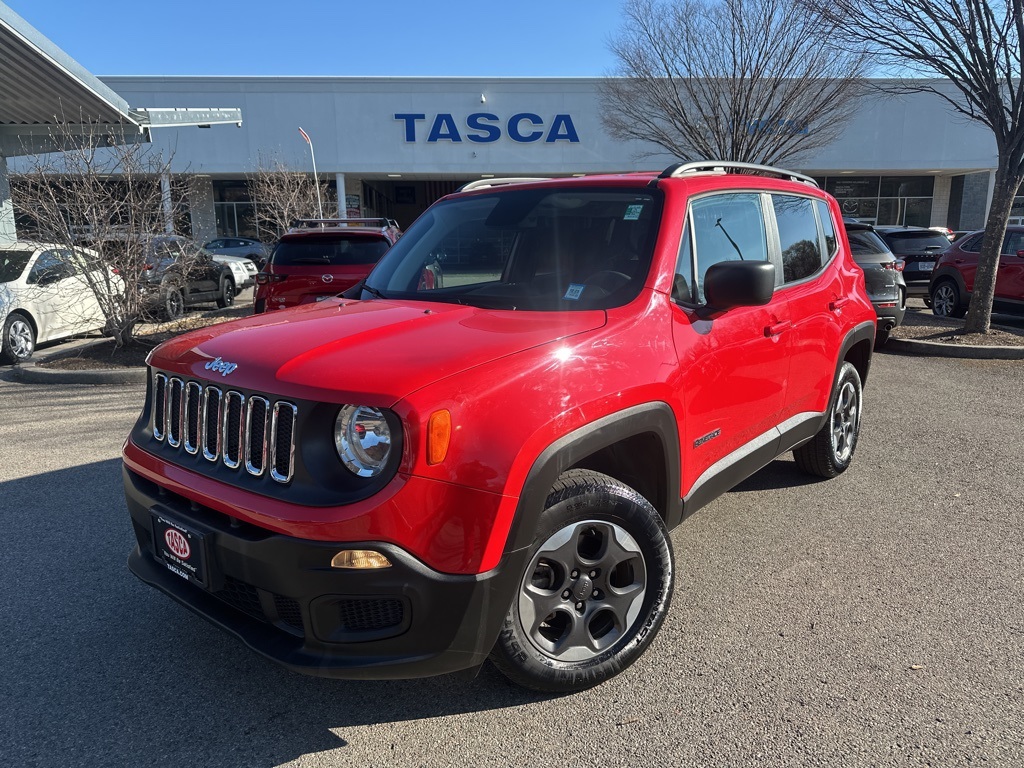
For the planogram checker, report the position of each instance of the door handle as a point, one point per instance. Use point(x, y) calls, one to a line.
point(958, 261)
point(836, 304)
point(775, 330)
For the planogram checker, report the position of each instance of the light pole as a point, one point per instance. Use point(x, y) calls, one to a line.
point(316, 179)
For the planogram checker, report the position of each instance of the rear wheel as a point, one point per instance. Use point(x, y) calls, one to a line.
point(227, 293)
point(174, 303)
point(595, 590)
point(19, 339)
point(831, 450)
point(946, 300)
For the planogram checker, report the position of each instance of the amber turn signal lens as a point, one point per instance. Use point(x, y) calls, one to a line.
point(359, 558)
point(439, 434)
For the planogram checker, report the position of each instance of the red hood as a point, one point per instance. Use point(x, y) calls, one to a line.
point(371, 352)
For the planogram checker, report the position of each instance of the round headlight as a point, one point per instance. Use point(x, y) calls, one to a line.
point(363, 439)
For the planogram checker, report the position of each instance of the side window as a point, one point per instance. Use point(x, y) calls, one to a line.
point(798, 237)
point(1014, 242)
point(727, 227)
point(48, 269)
point(684, 270)
point(827, 227)
point(973, 244)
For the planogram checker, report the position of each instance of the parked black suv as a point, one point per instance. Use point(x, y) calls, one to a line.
point(919, 248)
point(180, 275)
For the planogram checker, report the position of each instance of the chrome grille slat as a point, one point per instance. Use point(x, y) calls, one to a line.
point(191, 416)
point(226, 426)
point(174, 411)
point(233, 425)
point(256, 435)
point(159, 406)
point(212, 398)
point(282, 445)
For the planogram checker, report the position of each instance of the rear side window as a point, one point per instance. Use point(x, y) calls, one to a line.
point(727, 227)
point(798, 237)
point(828, 228)
point(329, 250)
point(864, 243)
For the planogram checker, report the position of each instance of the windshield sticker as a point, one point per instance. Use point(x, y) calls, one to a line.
point(575, 291)
point(633, 212)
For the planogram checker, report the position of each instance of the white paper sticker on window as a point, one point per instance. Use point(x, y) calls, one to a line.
point(575, 291)
point(633, 212)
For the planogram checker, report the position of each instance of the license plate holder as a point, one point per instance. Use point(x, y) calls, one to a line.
point(181, 548)
point(925, 266)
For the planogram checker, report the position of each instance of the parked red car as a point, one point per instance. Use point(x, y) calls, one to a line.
point(425, 474)
point(953, 280)
point(320, 258)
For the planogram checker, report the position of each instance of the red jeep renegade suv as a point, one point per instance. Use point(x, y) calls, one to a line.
point(418, 476)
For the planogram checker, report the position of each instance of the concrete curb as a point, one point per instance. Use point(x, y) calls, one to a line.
point(31, 373)
point(942, 349)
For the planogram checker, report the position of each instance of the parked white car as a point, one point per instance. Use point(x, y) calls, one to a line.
point(44, 295)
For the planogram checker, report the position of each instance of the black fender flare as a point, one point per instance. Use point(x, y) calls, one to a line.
point(656, 418)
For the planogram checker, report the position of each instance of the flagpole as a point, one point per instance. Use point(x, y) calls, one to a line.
point(316, 179)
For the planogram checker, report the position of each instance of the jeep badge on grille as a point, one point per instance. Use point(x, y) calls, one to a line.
point(220, 366)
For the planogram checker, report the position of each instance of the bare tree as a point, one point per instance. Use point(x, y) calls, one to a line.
point(282, 196)
point(102, 191)
point(746, 80)
point(978, 47)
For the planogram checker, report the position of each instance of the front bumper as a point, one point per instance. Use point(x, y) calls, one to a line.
point(279, 595)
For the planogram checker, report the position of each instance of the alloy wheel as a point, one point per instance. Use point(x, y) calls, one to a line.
point(583, 590)
point(21, 339)
point(944, 300)
point(845, 421)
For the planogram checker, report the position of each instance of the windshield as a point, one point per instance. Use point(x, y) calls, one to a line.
point(534, 249)
point(329, 250)
point(12, 264)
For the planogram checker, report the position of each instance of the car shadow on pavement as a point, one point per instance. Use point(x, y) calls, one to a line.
point(781, 473)
point(101, 669)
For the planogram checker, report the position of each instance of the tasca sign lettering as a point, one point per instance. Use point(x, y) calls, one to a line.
point(485, 127)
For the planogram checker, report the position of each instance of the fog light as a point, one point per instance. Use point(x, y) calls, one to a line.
point(359, 558)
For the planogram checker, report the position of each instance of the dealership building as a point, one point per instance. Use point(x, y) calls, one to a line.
point(391, 146)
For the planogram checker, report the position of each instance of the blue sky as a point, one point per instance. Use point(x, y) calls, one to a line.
point(531, 38)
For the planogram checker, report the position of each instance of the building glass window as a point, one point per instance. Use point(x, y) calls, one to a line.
point(885, 199)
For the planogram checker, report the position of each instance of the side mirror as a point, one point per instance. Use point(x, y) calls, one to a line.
point(1020, 254)
point(730, 284)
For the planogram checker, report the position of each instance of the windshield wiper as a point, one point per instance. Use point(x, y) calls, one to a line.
point(733, 242)
point(372, 291)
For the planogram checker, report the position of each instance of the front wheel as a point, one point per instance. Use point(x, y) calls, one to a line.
point(19, 339)
point(595, 591)
point(830, 451)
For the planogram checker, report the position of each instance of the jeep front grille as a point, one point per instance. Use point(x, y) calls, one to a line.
point(227, 426)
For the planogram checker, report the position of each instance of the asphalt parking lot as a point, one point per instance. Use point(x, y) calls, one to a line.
point(876, 619)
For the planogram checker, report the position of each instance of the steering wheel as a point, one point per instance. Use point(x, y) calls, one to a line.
point(608, 280)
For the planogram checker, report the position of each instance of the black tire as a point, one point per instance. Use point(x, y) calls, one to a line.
point(946, 299)
point(174, 303)
point(227, 293)
point(830, 452)
point(617, 546)
point(19, 339)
